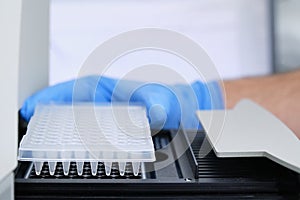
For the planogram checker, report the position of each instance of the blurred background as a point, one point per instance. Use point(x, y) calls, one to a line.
point(287, 34)
point(242, 37)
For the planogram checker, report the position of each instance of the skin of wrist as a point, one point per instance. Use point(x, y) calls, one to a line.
point(280, 94)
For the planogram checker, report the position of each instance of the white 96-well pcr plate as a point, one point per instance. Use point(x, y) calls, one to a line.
point(87, 133)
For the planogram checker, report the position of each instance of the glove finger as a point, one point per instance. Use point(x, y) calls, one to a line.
point(104, 89)
point(161, 104)
point(57, 93)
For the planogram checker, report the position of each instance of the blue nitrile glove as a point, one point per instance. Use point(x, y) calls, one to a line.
point(168, 106)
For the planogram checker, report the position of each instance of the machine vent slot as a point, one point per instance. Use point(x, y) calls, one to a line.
point(251, 169)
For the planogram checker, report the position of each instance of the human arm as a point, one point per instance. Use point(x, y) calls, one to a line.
point(280, 94)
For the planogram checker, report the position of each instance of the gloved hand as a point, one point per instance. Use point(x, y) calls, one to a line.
point(168, 106)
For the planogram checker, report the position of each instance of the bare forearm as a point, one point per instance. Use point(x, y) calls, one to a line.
point(279, 94)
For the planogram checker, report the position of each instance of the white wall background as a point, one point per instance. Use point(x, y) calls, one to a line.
point(235, 33)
